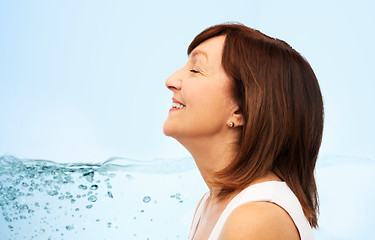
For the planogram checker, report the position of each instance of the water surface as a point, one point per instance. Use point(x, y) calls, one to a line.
point(125, 199)
point(118, 199)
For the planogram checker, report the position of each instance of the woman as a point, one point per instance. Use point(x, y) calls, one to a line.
point(249, 109)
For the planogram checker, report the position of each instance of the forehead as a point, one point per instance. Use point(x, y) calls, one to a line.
point(210, 50)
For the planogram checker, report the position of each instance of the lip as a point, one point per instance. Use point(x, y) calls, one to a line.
point(175, 109)
point(175, 100)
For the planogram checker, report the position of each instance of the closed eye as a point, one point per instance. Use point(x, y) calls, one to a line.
point(194, 71)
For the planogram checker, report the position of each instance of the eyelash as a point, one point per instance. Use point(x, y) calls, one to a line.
point(194, 71)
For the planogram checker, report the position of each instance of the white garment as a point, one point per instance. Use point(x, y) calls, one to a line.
point(271, 191)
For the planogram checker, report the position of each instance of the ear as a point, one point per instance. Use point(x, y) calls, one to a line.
point(237, 117)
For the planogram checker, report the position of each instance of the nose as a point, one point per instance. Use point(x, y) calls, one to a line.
point(173, 82)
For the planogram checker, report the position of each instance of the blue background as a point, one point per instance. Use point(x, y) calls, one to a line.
point(82, 81)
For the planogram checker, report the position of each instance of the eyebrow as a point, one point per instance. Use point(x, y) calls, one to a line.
point(199, 52)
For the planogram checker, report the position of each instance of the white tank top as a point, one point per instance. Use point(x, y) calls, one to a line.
point(271, 191)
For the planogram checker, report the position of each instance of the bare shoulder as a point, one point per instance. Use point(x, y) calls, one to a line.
point(258, 221)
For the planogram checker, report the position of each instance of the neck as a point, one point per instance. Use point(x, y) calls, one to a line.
point(211, 154)
point(270, 176)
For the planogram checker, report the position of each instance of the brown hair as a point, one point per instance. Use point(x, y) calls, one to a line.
point(280, 99)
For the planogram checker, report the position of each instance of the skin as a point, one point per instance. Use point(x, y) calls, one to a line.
point(260, 221)
point(202, 127)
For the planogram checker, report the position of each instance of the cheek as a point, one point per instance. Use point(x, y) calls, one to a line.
point(201, 99)
point(202, 90)
point(209, 101)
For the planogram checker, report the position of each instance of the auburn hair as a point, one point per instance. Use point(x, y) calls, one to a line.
point(281, 103)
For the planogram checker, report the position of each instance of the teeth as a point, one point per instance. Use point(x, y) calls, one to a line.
point(177, 105)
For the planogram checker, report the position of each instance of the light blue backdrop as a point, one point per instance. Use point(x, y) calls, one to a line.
point(82, 81)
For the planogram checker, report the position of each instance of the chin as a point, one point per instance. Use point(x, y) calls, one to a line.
point(171, 131)
point(166, 133)
point(167, 130)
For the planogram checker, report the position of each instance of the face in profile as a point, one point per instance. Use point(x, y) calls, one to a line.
point(202, 103)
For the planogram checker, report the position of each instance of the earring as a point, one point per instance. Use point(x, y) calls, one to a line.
point(231, 124)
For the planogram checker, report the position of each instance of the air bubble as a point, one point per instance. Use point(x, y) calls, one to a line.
point(52, 193)
point(92, 198)
point(146, 199)
point(110, 194)
point(69, 227)
point(89, 176)
point(83, 187)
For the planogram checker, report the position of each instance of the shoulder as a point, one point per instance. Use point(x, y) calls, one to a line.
point(259, 220)
point(203, 199)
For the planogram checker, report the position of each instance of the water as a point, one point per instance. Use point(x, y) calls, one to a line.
point(119, 199)
point(124, 199)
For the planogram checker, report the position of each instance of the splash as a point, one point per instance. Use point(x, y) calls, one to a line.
point(118, 199)
point(125, 199)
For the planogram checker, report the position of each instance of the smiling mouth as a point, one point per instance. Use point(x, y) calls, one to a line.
point(177, 105)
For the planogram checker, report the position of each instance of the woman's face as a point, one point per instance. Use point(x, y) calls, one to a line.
point(203, 90)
